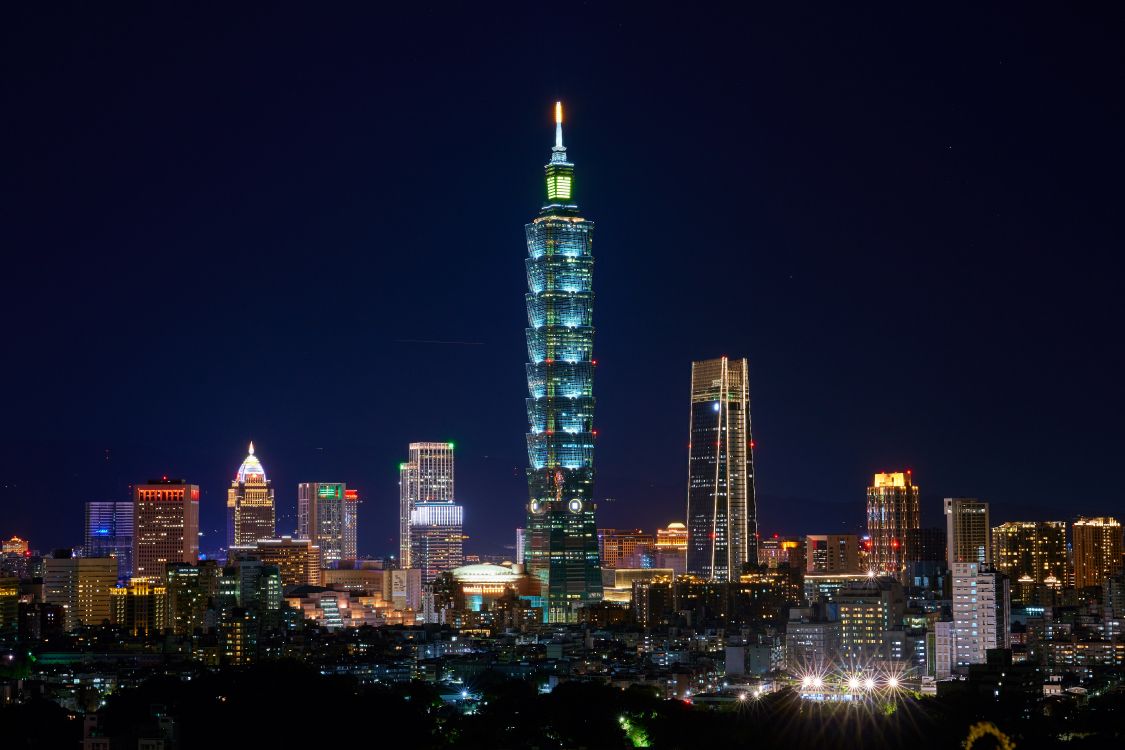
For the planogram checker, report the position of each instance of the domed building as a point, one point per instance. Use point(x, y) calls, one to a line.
point(251, 512)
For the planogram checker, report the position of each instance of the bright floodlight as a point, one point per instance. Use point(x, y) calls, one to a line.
point(742, 696)
point(871, 573)
point(853, 683)
point(892, 682)
point(817, 682)
point(806, 682)
point(869, 683)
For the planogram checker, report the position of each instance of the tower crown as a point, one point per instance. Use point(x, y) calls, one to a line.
point(560, 172)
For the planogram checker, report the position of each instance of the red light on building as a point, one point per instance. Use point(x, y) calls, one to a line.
point(351, 494)
point(753, 445)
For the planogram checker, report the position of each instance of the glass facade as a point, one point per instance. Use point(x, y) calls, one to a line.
point(562, 544)
point(426, 477)
point(109, 532)
point(326, 517)
point(722, 511)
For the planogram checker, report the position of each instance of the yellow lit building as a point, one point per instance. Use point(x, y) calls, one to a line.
point(250, 506)
point(617, 547)
point(893, 510)
point(82, 586)
point(298, 560)
point(14, 546)
point(140, 607)
point(1097, 550)
point(1035, 550)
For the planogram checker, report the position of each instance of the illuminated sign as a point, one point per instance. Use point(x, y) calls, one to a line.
point(328, 491)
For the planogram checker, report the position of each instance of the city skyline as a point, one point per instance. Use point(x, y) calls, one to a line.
point(967, 435)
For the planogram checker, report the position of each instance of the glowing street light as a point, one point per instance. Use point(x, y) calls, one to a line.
point(892, 682)
point(853, 683)
point(869, 684)
point(817, 682)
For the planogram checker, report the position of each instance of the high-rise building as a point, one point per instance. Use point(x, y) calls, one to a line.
point(251, 514)
point(192, 591)
point(351, 523)
point(521, 545)
point(868, 609)
point(562, 548)
point(832, 553)
point(617, 547)
point(326, 516)
point(166, 525)
point(109, 533)
point(893, 510)
point(425, 477)
point(1097, 550)
point(967, 531)
point(81, 585)
point(140, 606)
point(297, 559)
point(721, 508)
point(1036, 549)
point(436, 534)
point(981, 612)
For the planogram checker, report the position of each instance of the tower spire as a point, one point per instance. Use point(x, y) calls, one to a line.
point(251, 447)
point(558, 127)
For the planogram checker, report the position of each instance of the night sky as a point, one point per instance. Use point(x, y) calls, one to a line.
point(241, 224)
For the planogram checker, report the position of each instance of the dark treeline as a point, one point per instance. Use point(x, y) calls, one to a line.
point(288, 704)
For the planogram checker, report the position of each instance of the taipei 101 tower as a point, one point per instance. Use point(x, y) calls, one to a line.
point(562, 546)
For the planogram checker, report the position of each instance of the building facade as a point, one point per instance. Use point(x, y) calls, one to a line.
point(81, 586)
point(721, 509)
point(298, 560)
point(893, 511)
point(832, 553)
point(166, 525)
point(981, 613)
point(562, 544)
point(425, 477)
point(109, 533)
point(1036, 549)
point(1097, 550)
point(967, 531)
point(436, 534)
point(617, 547)
point(326, 516)
point(251, 514)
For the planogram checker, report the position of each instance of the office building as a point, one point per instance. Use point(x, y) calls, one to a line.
point(1035, 549)
point(109, 533)
point(81, 585)
point(893, 510)
point(721, 510)
point(832, 553)
point(981, 613)
point(967, 531)
point(251, 514)
point(425, 477)
point(165, 525)
point(436, 533)
point(1097, 550)
point(298, 560)
point(618, 547)
point(521, 546)
point(562, 546)
point(326, 515)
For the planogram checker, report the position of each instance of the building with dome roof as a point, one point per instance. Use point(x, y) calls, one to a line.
point(251, 513)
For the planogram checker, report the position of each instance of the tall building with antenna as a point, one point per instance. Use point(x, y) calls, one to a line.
point(562, 541)
point(425, 477)
point(251, 513)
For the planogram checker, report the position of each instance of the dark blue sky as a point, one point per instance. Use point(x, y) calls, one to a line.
point(232, 224)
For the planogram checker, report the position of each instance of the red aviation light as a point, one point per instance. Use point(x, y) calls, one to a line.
point(594, 362)
point(894, 543)
point(753, 445)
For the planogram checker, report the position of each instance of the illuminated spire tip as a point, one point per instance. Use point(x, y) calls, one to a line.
point(251, 447)
point(558, 126)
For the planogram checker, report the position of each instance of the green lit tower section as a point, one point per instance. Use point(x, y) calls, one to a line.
point(562, 549)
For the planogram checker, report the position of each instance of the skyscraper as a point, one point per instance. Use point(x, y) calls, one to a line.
point(425, 477)
point(1036, 549)
point(109, 532)
point(1097, 550)
point(326, 516)
point(166, 525)
point(250, 507)
point(562, 546)
point(967, 531)
point(721, 508)
point(893, 512)
point(436, 533)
